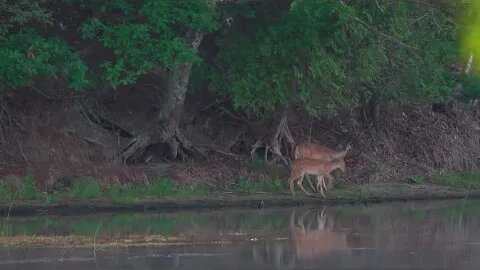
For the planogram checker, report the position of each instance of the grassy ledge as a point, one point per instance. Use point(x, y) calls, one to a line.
point(87, 195)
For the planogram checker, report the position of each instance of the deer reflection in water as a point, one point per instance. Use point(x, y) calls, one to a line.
point(311, 238)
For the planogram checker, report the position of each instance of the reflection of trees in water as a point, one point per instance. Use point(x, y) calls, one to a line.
point(396, 232)
point(334, 237)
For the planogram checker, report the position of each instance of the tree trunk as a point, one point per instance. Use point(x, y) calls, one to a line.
point(166, 128)
point(178, 79)
point(172, 109)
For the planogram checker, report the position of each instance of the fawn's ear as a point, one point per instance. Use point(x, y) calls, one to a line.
point(349, 147)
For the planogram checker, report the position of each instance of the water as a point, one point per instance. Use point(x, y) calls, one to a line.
point(412, 235)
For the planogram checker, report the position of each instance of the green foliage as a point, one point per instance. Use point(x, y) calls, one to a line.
point(324, 54)
point(26, 54)
point(7, 193)
point(259, 164)
point(245, 185)
point(53, 197)
point(470, 181)
point(29, 191)
point(470, 26)
point(283, 59)
point(327, 54)
point(156, 40)
point(115, 194)
point(471, 87)
point(86, 188)
point(25, 189)
point(162, 187)
point(21, 12)
point(420, 40)
point(418, 179)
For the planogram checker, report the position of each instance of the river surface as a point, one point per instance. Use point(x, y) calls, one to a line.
point(410, 235)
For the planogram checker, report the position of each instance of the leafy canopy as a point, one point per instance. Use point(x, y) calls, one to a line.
point(147, 34)
point(25, 54)
point(330, 53)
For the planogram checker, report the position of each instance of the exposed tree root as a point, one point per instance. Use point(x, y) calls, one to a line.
point(273, 142)
point(178, 144)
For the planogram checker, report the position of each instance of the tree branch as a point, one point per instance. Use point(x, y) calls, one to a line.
point(396, 40)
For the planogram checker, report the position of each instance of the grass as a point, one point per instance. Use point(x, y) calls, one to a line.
point(7, 193)
point(258, 164)
point(26, 192)
point(86, 188)
point(418, 179)
point(29, 192)
point(160, 188)
point(470, 181)
point(245, 185)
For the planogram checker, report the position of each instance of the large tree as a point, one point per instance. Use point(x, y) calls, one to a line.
point(150, 35)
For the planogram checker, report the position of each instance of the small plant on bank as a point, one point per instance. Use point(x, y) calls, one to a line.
point(85, 188)
point(196, 190)
point(418, 179)
point(54, 197)
point(126, 194)
point(7, 192)
point(258, 164)
point(470, 181)
point(162, 187)
point(29, 191)
point(245, 185)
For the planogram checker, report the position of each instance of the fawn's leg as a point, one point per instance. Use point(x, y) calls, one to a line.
point(290, 182)
point(324, 186)
point(330, 180)
point(320, 184)
point(310, 183)
point(300, 184)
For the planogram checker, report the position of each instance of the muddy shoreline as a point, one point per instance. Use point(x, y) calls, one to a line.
point(372, 193)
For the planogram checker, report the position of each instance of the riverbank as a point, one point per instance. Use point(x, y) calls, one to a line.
point(368, 193)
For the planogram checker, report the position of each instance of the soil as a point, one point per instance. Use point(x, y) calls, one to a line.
point(367, 193)
point(54, 141)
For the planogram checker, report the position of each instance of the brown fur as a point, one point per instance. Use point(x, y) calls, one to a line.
point(310, 242)
point(319, 152)
point(303, 166)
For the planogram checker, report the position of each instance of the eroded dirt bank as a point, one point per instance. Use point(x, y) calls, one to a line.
point(61, 140)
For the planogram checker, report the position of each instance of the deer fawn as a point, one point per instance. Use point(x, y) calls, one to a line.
point(319, 168)
point(320, 152)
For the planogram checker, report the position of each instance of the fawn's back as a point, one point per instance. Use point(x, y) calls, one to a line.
point(315, 166)
point(319, 151)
